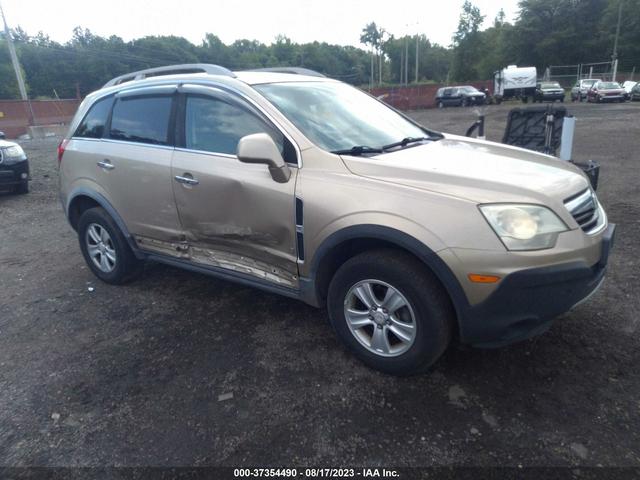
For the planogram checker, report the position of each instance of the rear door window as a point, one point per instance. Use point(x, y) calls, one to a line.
point(143, 119)
point(92, 126)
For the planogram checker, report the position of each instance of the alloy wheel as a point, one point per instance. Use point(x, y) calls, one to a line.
point(100, 248)
point(380, 317)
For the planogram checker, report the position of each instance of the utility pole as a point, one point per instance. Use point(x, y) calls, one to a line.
point(406, 60)
point(16, 65)
point(614, 57)
point(372, 59)
point(417, 61)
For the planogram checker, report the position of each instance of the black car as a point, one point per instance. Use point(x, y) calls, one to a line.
point(459, 97)
point(14, 167)
point(548, 92)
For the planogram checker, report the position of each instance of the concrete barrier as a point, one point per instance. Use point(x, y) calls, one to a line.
point(46, 131)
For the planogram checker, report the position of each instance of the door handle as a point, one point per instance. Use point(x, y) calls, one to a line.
point(186, 180)
point(106, 164)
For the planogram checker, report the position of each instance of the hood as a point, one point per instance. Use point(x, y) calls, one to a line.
point(610, 90)
point(5, 144)
point(475, 170)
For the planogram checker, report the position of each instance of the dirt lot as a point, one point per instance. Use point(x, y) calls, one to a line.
point(132, 375)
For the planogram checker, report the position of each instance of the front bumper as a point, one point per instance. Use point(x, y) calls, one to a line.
point(13, 174)
point(552, 96)
point(610, 98)
point(477, 100)
point(526, 302)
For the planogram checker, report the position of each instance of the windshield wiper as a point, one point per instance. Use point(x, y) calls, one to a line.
point(358, 150)
point(404, 142)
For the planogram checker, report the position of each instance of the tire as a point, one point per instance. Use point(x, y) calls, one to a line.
point(124, 266)
point(427, 308)
point(465, 102)
point(440, 105)
point(23, 188)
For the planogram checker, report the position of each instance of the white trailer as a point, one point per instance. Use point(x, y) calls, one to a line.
point(515, 82)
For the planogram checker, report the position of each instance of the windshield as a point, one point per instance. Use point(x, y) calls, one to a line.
point(469, 89)
point(551, 85)
point(608, 85)
point(336, 116)
point(588, 83)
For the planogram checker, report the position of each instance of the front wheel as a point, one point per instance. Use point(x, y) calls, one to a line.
point(440, 105)
point(390, 311)
point(105, 249)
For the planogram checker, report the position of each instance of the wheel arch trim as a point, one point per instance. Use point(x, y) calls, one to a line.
point(402, 240)
point(104, 203)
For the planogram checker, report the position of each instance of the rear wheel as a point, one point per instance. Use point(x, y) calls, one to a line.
point(105, 249)
point(390, 311)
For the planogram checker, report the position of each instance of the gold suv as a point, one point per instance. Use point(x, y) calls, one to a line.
point(304, 186)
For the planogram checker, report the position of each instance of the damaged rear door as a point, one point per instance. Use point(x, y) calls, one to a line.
point(234, 215)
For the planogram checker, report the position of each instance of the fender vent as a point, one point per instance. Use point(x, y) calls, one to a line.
point(300, 228)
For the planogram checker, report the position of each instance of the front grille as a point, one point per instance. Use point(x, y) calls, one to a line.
point(585, 210)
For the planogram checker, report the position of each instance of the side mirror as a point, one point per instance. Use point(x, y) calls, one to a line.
point(260, 148)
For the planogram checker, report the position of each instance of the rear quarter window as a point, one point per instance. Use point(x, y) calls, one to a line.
point(142, 119)
point(92, 126)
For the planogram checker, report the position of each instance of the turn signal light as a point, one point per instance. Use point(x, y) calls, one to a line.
point(476, 278)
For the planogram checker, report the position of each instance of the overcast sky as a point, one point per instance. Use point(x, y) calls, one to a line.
point(333, 21)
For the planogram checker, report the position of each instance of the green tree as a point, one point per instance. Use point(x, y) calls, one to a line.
point(373, 36)
point(466, 43)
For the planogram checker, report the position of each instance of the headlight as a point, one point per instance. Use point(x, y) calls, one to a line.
point(13, 154)
point(524, 227)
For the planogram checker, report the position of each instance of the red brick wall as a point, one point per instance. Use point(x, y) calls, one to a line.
point(414, 97)
point(14, 119)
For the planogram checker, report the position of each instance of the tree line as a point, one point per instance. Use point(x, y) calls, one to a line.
point(545, 32)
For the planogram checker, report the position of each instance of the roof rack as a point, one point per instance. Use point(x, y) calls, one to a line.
point(170, 70)
point(294, 70)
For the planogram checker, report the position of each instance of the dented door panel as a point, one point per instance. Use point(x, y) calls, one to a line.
point(236, 216)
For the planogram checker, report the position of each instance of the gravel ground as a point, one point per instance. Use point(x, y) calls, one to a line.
point(178, 369)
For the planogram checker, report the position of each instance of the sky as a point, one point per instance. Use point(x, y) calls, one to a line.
point(333, 21)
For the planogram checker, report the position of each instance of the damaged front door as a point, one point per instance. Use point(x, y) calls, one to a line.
point(234, 215)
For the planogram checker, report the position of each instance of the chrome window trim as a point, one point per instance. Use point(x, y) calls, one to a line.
point(125, 142)
point(205, 152)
